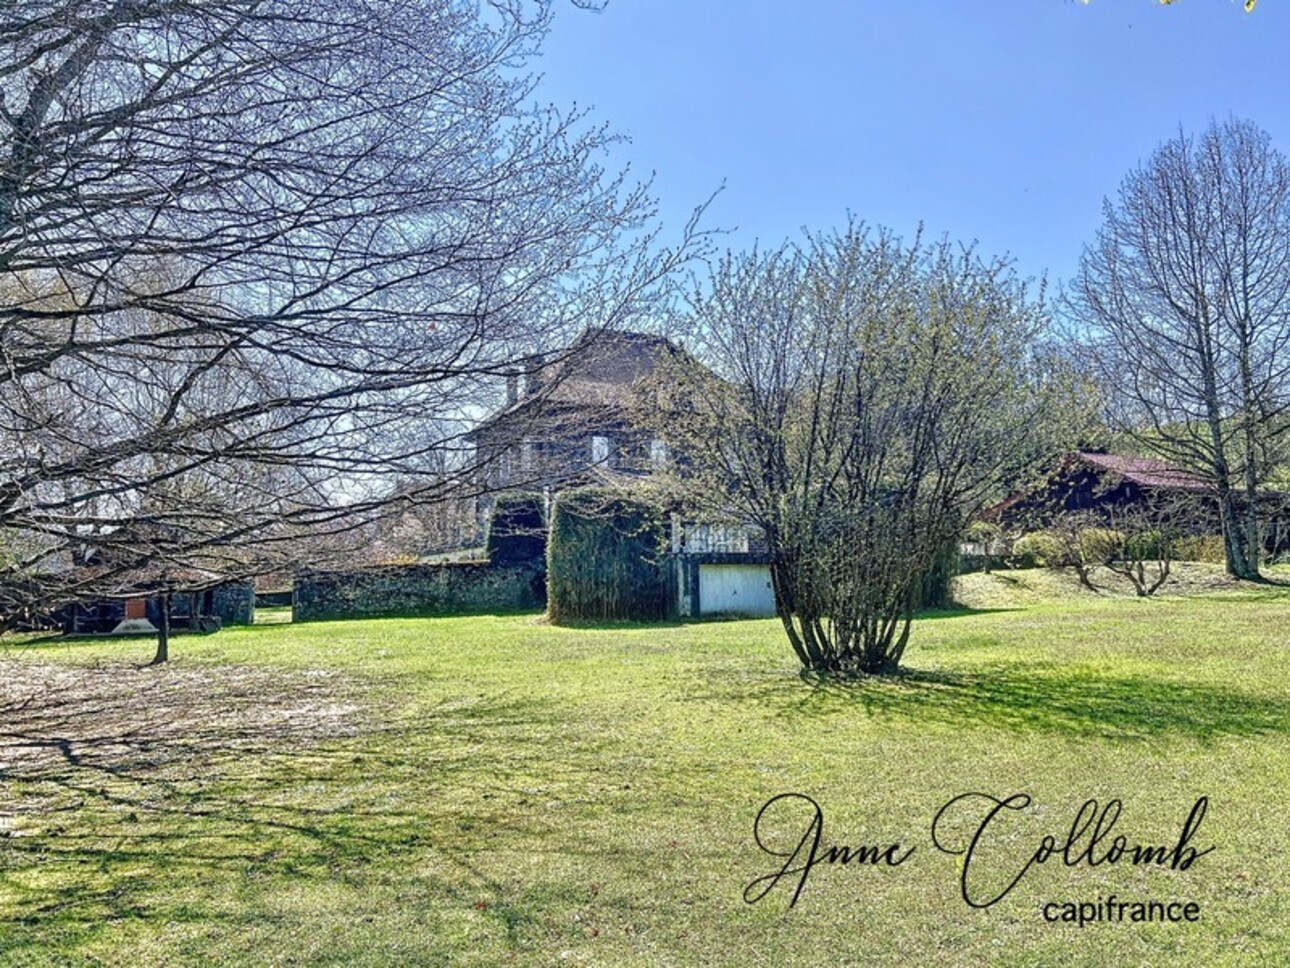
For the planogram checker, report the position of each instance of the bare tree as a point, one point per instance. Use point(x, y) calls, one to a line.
point(257, 258)
point(1140, 545)
point(1138, 541)
point(1072, 539)
point(1185, 301)
point(856, 401)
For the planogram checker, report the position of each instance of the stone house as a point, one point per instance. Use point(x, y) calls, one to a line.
point(575, 420)
point(211, 603)
point(571, 419)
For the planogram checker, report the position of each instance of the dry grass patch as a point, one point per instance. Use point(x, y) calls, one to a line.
point(127, 723)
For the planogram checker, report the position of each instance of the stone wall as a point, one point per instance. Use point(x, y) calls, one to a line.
point(386, 591)
point(234, 603)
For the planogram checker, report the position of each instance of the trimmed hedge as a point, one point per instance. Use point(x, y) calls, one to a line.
point(933, 591)
point(605, 559)
point(1201, 547)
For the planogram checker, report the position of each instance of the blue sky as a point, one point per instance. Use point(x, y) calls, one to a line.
point(1005, 121)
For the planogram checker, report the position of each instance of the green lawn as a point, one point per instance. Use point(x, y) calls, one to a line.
point(491, 791)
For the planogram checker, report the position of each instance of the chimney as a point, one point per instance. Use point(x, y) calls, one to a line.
point(512, 386)
point(534, 382)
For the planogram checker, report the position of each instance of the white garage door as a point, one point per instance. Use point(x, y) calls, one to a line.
point(738, 589)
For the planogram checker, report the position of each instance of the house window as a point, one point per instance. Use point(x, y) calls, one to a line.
point(657, 453)
point(600, 450)
point(526, 455)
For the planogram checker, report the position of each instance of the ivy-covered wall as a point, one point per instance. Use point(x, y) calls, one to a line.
point(386, 591)
point(234, 603)
point(605, 556)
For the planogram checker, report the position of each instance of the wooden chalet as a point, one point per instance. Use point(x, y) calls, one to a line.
point(1104, 484)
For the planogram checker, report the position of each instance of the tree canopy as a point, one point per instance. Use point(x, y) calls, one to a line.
point(855, 400)
point(257, 258)
point(1184, 304)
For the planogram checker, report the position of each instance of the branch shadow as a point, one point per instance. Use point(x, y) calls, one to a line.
point(1031, 698)
point(116, 786)
point(960, 611)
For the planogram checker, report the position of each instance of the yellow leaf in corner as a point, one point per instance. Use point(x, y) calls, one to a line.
point(1249, 5)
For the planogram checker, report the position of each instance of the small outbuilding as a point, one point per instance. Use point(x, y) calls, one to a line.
point(136, 610)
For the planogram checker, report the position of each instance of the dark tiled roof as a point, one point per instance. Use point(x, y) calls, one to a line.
point(598, 370)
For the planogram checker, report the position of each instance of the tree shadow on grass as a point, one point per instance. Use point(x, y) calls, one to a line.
point(1085, 703)
point(1037, 698)
point(648, 625)
point(959, 611)
point(153, 798)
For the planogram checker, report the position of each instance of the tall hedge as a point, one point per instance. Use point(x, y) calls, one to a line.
point(516, 530)
point(934, 590)
point(605, 559)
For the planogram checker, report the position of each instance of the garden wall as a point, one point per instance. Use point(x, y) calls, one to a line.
point(452, 588)
point(234, 603)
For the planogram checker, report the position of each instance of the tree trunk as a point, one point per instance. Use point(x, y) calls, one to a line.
point(163, 633)
point(1253, 545)
point(1253, 540)
point(1234, 542)
point(785, 606)
point(1085, 575)
point(1234, 546)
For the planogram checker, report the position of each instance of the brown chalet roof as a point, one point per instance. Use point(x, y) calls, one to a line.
point(1144, 471)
